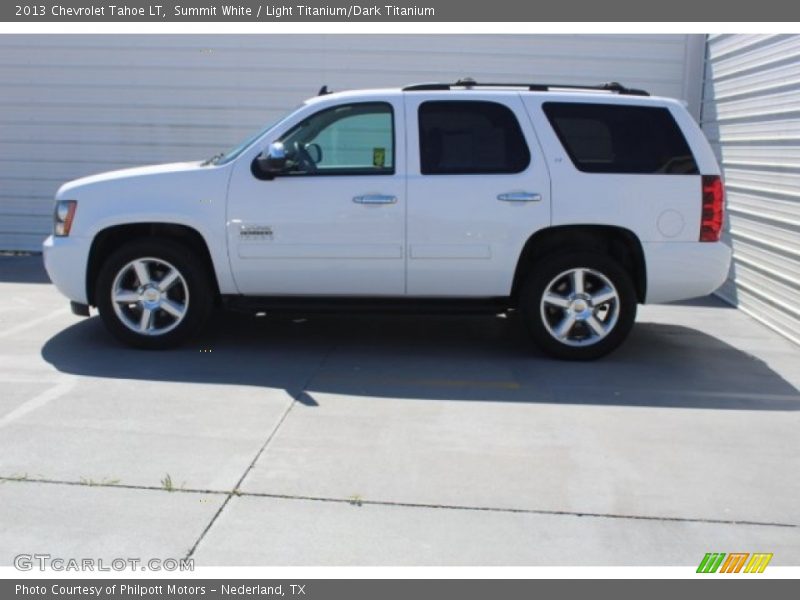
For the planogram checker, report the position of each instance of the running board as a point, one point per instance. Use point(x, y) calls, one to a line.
point(361, 304)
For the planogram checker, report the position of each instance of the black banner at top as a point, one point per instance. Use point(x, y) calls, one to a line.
point(244, 11)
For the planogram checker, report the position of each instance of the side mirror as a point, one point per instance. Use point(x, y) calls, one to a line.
point(273, 161)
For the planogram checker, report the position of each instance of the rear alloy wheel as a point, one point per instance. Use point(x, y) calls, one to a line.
point(578, 306)
point(153, 294)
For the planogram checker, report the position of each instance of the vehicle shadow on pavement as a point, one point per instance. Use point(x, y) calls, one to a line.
point(22, 269)
point(448, 358)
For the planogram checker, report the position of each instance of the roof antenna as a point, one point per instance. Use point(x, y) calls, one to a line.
point(323, 91)
point(466, 81)
point(613, 86)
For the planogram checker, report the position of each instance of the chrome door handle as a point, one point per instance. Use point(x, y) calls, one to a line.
point(375, 199)
point(520, 197)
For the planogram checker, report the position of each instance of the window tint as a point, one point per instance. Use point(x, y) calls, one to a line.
point(347, 139)
point(612, 138)
point(470, 137)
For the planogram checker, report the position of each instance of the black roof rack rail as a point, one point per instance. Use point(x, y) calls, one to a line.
point(469, 83)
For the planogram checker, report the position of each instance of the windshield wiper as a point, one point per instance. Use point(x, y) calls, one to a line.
point(213, 159)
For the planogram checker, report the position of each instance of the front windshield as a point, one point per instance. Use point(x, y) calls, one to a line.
point(232, 153)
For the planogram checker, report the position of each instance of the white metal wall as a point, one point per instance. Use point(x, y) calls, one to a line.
point(751, 113)
point(79, 104)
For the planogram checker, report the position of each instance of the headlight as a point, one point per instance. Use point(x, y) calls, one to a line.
point(63, 216)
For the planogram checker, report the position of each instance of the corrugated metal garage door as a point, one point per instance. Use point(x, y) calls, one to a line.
point(751, 113)
point(75, 105)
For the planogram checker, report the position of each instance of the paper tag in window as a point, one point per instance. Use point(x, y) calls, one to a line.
point(379, 157)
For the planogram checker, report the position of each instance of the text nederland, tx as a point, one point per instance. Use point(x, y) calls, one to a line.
point(157, 590)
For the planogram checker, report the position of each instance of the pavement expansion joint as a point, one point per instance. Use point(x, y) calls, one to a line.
point(386, 503)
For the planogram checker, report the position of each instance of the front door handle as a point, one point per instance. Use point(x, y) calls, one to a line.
point(375, 199)
point(520, 197)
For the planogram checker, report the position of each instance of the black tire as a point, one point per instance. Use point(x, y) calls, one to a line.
point(194, 290)
point(542, 319)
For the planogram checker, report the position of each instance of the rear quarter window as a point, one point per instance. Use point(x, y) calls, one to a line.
point(614, 138)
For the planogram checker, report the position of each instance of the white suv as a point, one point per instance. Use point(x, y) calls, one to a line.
point(568, 205)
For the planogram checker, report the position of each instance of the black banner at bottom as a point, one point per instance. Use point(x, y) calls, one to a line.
point(733, 588)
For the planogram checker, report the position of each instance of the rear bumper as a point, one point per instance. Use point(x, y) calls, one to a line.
point(682, 270)
point(65, 259)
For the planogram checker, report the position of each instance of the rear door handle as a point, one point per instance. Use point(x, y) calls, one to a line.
point(375, 199)
point(520, 197)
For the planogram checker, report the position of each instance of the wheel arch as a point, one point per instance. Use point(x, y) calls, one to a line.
point(110, 238)
point(618, 242)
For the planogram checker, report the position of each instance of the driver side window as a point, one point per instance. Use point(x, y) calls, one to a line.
point(354, 139)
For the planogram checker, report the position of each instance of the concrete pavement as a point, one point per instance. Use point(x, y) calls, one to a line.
point(375, 440)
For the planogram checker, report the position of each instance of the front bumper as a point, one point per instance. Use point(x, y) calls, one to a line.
point(65, 259)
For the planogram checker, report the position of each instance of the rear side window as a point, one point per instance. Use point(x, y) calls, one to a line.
point(613, 138)
point(469, 138)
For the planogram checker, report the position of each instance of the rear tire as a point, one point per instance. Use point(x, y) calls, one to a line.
point(153, 294)
point(578, 306)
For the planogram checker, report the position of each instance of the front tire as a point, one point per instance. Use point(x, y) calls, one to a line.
point(153, 294)
point(578, 306)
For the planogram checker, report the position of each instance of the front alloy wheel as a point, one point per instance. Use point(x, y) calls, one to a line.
point(153, 293)
point(150, 296)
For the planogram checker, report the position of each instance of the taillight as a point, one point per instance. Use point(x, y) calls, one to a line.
point(713, 203)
